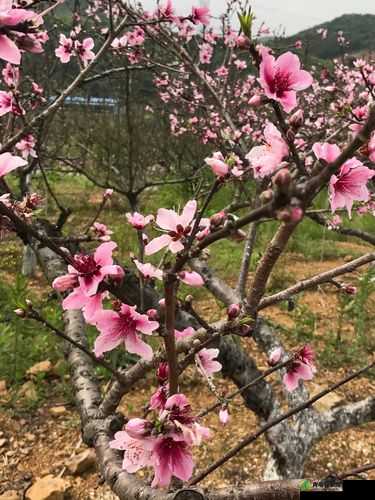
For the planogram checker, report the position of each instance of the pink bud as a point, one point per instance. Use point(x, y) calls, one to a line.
point(350, 289)
point(296, 214)
point(243, 42)
point(297, 119)
point(153, 314)
point(218, 219)
point(162, 303)
point(118, 274)
point(191, 278)
point(137, 428)
point(162, 372)
point(275, 356)
point(233, 311)
point(282, 178)
point(20, 313)
point(255, 101)
point(108, 193)
point(224, 415)
point(219, 168)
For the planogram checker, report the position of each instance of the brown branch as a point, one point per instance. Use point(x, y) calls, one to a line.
point(266, 265)
point(316, 280)
point(272, 423)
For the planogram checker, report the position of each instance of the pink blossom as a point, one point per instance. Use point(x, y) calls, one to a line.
point(282, 78)
point(200, 15)
point(124, 326)
point(187, 332)
point(11, 75)
point(90, 305)
point(159, 398)
point(92, 269)
point(218, 165)
point(297, 371)
point(206, 361)
point(6, 102)
point(166, 10)
point(102, 231)
point(10, 17)
point(26, 146)
point(178, 227)
point(84, 50)
point(265, 159)
point(108, 193)
point(149, 271)
point(171, 458)
point(349, 185)
point(191, 278)
point(371, 147)
point(138, 221)
point(8, 163)
point(326, 151)
point(65, 50)
point(301, 368)
point(137, 453)
point(224, 415)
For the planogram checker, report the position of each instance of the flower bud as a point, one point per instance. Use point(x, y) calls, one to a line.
point(246, 331)
point(275, 356)
point(255, 101)
point(296, 120)
point(162, 372)
point(284, 215)
point(290, 135)
point(137, 428)
point(282, 178)
point(29, 303)
point(266, 196)
point(21, 313)
point(233, 311)
point(108, 193)
point(350, 289)
point(218, 219)
point(153, 314)
point(296, 214)
point(224, 415)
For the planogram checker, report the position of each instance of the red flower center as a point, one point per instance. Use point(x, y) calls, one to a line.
point(86, 265)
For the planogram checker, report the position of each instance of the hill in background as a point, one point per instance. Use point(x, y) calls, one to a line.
point(358, 29)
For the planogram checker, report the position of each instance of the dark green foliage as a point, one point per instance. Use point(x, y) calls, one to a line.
point(358, 29)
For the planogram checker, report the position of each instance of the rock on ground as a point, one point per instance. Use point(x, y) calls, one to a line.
point(81, 463)
point(48, 488)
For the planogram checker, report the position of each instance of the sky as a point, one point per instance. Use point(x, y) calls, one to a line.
point(293, 15)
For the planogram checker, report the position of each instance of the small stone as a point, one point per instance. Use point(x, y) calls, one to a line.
point(10, 495)
point(41, 367)
point(57, 411)
point(28, 390)
point(3, 442)
point(48, 488)
point(81, 463)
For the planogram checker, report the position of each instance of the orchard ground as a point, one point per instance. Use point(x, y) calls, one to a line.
point(340, 327)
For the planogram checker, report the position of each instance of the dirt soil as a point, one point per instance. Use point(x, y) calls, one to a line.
point(34, 444)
